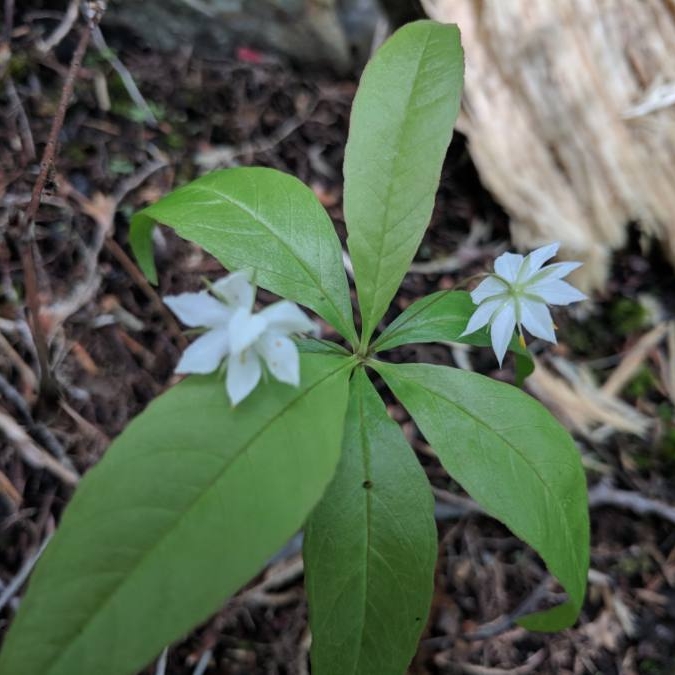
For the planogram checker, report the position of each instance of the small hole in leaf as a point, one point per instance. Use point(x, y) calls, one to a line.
point(367, 484)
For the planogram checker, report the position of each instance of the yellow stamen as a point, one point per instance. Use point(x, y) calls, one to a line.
point(521, 340)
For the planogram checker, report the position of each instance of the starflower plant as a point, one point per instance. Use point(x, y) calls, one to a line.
point(517, 294)
point(192, 500)
point(235, 332)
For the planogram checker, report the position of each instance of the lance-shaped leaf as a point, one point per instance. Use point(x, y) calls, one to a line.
point(370, 548)
point(185, 507)
point(400, 128)
point(263, 219)
point(511, 455)
point(443, 317)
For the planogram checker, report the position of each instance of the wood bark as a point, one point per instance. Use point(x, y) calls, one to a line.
point(570, 118)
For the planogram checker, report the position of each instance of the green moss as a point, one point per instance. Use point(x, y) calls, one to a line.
point(627, 315)
point(651, 667)
point(75, 153)
point(642, 384)
point(19, 65)
point(175, 140)
point(630, 566)
point(120, 166)
point(589, 337)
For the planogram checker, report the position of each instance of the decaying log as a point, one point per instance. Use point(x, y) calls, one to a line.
point(569, 111)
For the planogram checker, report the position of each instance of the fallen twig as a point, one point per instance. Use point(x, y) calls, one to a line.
point(633, 359)
point(124, 75)
point(17, 581)
point(26, 240)
point(278, 576)
point(450, 506)
point(66, 25)
point(530, 666)
point(38, 431)
point(32, 454)
point(25, 371)
point(17, 109)
point(603, 494)
point(8, 489)
point(203, 663)
point(161, 662)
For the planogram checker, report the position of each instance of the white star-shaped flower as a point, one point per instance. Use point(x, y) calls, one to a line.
point(247, 340)
point(517, 294)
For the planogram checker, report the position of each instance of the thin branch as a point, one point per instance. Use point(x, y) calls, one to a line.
point(66, 25)
point(124, 75)
point(9, 21)
point(48, 384)
point(17, 109)
point(203, 662)
point(161, 662)
point(32, 454)
point(38, 431)
point(15, 584)
point(605, 495)
point(129, 266)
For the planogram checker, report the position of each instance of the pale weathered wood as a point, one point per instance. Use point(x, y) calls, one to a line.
point(569, 110)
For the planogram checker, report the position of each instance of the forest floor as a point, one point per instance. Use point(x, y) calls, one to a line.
point(113, 347)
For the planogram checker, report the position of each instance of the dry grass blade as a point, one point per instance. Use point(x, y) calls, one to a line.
point(633, 359)
point(581, 405)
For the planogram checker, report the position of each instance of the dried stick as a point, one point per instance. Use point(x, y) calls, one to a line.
point(160, 669)
point(38, 431)
point(9, 21)
point(61, 30)
point(604, 495)
point(203, 662)
point(27, 241)
point(32, 454)
point(27, 143)
point(15, 584)
point(632, 361)
point(124, 75)
point(130, 268)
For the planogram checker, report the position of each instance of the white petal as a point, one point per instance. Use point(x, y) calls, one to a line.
point(507, 265)
point(536, 259)
point(555, 292)
point(487, 288)
point(198, 309)
point(482, 315)
point(281, 357)
point(205, 353)
point(536, 318)
point(287, 317)
point(237, 289)
point(501, 330)
point(243, 373)
point(556, 271)
point(245, 329)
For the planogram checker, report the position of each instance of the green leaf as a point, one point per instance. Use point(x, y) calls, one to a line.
point(264, 219)
point(370, 548)
point(185, 507)
point(442, 317)
point(400, 128)
point(439, 317)
point(511, 455)
point(318, 346)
